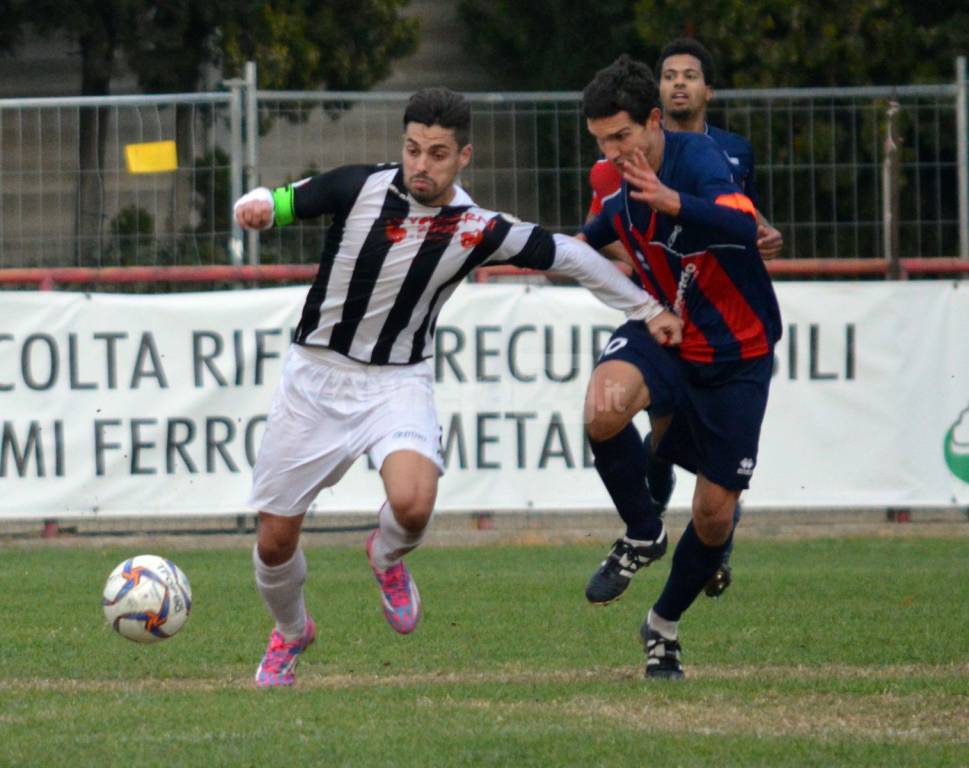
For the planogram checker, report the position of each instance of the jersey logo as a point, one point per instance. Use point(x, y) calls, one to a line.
point(471, 239)
point(673, 235)
point(394, 231)
point(615, 345)
point(746, 467)
point(687, 276)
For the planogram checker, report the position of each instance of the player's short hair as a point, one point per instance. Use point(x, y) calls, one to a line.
point(690, 47)
point(443, 107)
point(625, 85)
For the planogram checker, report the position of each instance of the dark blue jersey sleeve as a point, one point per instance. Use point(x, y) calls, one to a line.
point(740, 156)
point(710, 198)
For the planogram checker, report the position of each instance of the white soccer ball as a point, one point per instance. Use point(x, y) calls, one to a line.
point(147, 599)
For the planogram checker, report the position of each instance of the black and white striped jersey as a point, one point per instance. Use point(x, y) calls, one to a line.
point(389, 263)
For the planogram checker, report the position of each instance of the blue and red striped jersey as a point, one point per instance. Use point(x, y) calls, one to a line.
point(703, 263)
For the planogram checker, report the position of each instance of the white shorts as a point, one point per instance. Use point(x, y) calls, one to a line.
point(328, 411)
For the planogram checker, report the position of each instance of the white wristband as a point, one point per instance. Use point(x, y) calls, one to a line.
point(647, 311)
point(259, 194)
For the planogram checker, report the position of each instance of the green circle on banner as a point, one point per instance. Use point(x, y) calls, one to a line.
point(957, 460)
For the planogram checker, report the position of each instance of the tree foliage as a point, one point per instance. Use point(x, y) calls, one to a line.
point(297, 43)
point(13, 14)
point(770, 43)
point(548, 44)
point(559, 44)
point(169, 47)
point(344, 44)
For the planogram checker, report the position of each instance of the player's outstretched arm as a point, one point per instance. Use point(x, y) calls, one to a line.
point(579, 261)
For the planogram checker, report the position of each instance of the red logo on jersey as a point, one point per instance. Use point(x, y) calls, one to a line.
point(471, 239)
point(394, 231)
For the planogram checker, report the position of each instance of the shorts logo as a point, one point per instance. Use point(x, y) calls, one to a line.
point(615, 345)
point(409, 434)
point(746, 467)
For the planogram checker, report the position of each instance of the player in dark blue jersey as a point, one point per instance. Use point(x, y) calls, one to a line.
point(686, 75)
point(691, 233)
point(685, 72)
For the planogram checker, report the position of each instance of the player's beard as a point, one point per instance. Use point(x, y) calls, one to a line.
point(424, 197)
point(683, 114)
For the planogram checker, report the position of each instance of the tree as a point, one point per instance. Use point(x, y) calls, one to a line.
point(299, 44)
point(94, 26)
point(773, 43)
point(559, 44)
point(548, 45)
point(14, 15)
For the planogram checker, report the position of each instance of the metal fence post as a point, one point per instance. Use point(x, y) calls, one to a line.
point(962, 154)
point(236, 163)
point(252, 153)
point(890, 199)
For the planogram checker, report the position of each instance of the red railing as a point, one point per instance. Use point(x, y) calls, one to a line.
point(48, 278)
point(804, 268)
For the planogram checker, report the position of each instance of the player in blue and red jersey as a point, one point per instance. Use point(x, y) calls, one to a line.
point(691, 234)
point(685, 72)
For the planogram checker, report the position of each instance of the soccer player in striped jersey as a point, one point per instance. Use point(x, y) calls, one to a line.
point(685, 72)
point(692, 235)
point(356, 380)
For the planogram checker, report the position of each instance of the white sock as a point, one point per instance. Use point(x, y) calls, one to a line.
point(665, 627)
point(393, 540)
point(281, 587)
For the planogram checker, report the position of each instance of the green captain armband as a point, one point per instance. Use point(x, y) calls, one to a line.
point(283, 205)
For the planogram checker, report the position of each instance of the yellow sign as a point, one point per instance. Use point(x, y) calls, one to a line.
point(151, 157)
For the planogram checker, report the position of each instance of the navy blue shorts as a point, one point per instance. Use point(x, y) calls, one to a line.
point(717, 408)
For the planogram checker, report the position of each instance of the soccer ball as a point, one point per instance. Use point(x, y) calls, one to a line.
point(147, 599)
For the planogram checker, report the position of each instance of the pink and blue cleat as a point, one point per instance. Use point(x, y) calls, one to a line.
point(398, 592)
point(278, 665)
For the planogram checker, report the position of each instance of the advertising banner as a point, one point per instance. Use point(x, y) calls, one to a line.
point(155, 405)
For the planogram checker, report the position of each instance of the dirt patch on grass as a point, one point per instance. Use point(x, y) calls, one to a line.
point(311, 679)
point(874, 717)
point(481, 529)
point(671, 707)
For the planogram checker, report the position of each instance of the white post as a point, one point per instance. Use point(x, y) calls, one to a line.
point(252, 153)
point(235, 165)
point(890, 196)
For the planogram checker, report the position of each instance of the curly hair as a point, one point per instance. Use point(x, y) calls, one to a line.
point(692, 48)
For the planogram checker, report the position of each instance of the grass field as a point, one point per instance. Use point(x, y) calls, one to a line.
point(851, 652)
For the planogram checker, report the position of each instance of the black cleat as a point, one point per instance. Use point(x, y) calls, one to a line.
point(662, 654)
point(626, 557)
point(719, 582)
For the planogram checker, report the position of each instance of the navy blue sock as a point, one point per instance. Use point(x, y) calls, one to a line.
point(621, 463)
point(659, 474)
point(693, 565)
